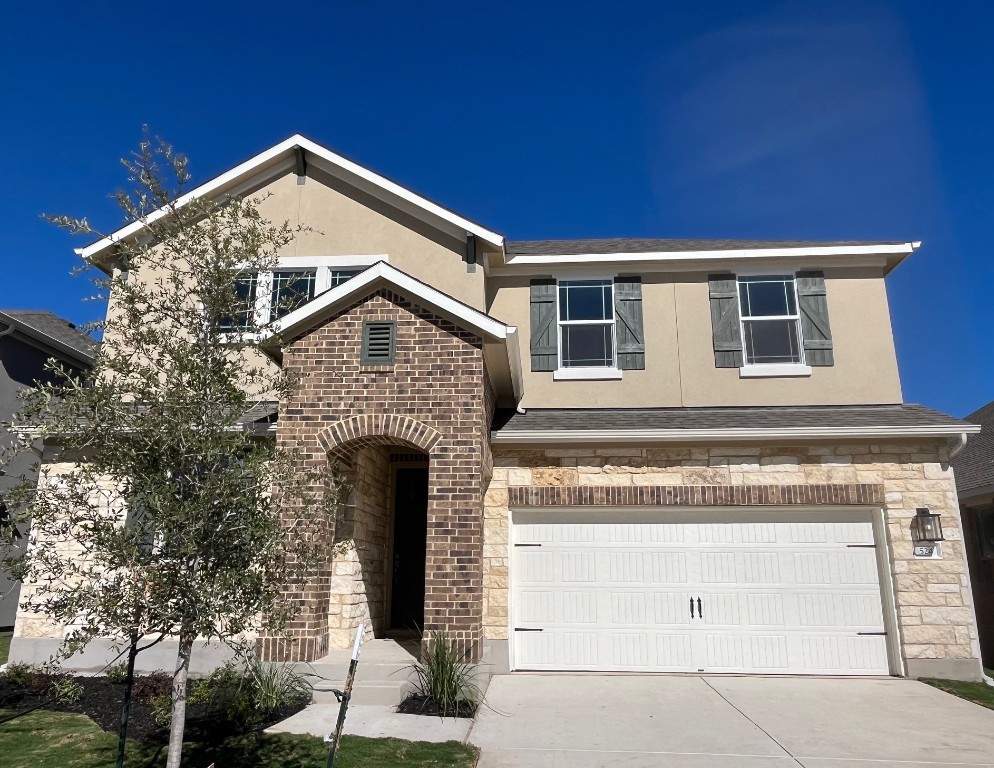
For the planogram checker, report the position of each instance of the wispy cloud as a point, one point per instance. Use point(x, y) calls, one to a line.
point(786, 113)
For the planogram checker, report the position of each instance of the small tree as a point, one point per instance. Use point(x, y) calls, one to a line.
point(169, 520)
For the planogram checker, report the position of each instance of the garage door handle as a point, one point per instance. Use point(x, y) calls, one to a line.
point(864, 634)
point(528, 545)
point(691, 607)
point(861, 546)
point(700, 610)
point(527, 629)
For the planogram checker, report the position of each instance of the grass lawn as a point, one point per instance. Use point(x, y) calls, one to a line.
point(56, 739)
point(978, 693)
point(4, 646)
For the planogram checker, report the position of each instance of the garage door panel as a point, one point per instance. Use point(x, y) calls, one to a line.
point(775, 597)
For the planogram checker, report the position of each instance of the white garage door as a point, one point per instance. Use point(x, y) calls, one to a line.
point(791, 597)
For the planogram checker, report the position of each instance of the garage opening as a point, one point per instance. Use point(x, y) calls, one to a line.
point(740, 591)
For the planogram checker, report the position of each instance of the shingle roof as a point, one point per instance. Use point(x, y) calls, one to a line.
point(974, 465)
point(650, 245)
point(758, 417)
point(52, 330)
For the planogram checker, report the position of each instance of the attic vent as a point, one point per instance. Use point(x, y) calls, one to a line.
point(379, 343)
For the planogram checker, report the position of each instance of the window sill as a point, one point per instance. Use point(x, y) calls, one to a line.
point(774, 370)
point(586, 374)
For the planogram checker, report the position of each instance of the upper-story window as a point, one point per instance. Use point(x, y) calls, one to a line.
point(290, 289)
point(586, 324)
point(268, 296)
point(770, 320)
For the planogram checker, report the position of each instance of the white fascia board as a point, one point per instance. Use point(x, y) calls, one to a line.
point(270, 156)
point(741, 254)
point(385, 184)
point(406, 285)
point(703, 435)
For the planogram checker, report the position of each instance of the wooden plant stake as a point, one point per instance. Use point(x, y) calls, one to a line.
point(343, 697)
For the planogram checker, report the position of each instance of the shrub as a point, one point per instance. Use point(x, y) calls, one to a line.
point(65, 689)
point(148, 687)
point(117, 674)
point(162, 709)
point(443, 677)
point(275, 686)
point(17, 674)
point(200, 692)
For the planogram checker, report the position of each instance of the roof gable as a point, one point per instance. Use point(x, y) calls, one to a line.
point(374, 277)
point(293, 153)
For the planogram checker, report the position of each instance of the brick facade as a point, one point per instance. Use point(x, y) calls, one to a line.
point(433, 400)
point(934, 603)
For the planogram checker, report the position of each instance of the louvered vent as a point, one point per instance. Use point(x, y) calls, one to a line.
point(378, 343)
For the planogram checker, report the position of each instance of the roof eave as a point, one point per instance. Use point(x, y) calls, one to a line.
point(587, 436)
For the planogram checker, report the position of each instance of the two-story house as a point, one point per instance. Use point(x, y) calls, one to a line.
point(638, 455)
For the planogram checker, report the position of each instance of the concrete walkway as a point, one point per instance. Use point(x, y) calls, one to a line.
point(583, 721)
point(375, 720)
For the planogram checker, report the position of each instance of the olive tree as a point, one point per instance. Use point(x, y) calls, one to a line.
point(166, 517)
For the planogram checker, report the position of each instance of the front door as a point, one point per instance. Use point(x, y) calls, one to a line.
point(410, 530)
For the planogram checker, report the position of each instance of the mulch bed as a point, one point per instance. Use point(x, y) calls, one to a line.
point(102, 700)
point(425, 705)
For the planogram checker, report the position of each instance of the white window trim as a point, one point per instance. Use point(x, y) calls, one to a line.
point(774, 370)
point(586, 374)
point(598, 373)
point(771, 370)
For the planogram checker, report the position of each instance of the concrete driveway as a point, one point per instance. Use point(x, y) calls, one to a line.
point(582, 721)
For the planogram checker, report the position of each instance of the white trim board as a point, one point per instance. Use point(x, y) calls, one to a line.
point(276, 158)
point(586, 436)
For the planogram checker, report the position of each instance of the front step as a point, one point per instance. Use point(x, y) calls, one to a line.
point(382, 692)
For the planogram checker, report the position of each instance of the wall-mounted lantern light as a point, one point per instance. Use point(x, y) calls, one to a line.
point(926, 526)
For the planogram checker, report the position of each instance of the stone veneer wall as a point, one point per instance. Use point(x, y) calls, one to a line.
point(933, 597)
point(358, 582)
point(431, 399)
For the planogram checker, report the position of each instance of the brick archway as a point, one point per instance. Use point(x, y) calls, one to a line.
point(341, 439)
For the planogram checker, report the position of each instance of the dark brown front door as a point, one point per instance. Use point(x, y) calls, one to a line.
point(410, 530)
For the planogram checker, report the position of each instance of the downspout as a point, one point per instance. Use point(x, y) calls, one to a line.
point(959, 445)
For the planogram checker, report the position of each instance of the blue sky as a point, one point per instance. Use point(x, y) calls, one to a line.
point(861, 120)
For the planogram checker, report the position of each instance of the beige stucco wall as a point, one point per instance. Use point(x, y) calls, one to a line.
point(933, 597)
point(346, 222)
point(680, 370)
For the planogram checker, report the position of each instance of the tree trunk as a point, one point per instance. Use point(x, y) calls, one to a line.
point(122, 733)
point(178, 723)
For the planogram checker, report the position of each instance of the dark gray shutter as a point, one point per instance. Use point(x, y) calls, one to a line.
point(628, 323)
point(379, 343)
point(815, 328)
point(544, 329)
point(725, 330)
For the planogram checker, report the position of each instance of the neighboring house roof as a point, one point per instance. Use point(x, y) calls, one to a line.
point(296, 152)
point(382, 274)
point(974, 465)
point(750, 423)
point(52, 333)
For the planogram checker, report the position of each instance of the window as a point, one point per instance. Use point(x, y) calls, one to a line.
point(586, 324)
point(770, 321)
point(339, 276)
point(289, 290)
point(245, 290)
point(268, 296)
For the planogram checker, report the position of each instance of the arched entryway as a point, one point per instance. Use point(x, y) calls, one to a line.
point(379, 557)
